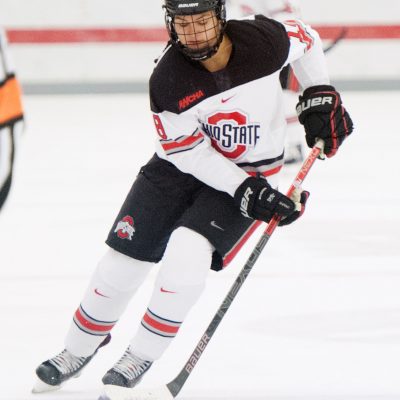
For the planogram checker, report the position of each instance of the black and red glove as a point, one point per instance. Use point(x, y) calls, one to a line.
point(258, 200)
point(321, 112)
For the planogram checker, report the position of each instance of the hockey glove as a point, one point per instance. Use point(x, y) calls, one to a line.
point(300, 199)
point(321, 112)
point(258, 200)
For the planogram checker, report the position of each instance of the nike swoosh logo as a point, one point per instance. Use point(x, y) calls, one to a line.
point(225, 100)
point(214, 224)
point(100, 294)
point(166, 291)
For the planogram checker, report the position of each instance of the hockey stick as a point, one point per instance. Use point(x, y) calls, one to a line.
point(171, 389)
point(176, 384)
point(342, 34)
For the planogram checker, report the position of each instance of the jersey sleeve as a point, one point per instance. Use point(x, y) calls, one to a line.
point(184, 145)
point(306, 54)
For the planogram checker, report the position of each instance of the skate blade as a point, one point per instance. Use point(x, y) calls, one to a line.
point(112, 392)
point(41, 387)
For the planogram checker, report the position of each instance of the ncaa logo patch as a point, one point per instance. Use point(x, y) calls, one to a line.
point(125, 228)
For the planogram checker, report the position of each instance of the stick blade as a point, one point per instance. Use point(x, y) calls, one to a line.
point(112, 392)
point(42, 387)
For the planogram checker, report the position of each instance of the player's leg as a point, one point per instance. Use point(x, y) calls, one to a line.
point(179, 284)
point(137, 241)
point(213, 222)
point(115, 280)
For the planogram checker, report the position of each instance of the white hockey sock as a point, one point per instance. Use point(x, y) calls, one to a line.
point(115, 280)
point(179, 284)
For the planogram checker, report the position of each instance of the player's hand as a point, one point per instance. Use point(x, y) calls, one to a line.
point(321, 112)
point(299, 198)
point(258, 200)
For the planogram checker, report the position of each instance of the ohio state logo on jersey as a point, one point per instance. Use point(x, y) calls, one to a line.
point(125, 228)
point(231, 133)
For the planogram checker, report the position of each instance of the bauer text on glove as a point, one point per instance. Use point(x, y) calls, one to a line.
point(321, 112)
point(258, 200)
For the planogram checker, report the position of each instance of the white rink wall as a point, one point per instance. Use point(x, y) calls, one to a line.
point(40, 13)
point(122, 63)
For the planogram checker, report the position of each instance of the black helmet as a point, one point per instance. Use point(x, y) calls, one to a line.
point(192, 7)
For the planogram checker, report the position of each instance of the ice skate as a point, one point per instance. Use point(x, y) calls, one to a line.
point(124, 375)
point(55, 371)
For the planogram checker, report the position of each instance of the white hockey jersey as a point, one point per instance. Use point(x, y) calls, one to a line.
point(221, 126)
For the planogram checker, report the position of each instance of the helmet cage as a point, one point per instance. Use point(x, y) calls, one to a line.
point(179, 7)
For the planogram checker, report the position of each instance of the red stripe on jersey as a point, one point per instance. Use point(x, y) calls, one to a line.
point(301, 33)
point(270, 172)
point(184, 143)
point(292, 119)
point(160, 326)
point(91, 325)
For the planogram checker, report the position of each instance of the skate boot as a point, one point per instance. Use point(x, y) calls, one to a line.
point(128, 371)
point(55, 371)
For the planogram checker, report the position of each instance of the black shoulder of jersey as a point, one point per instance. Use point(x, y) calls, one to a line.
point(260, 48)
point(266, 36)
point(171, 80)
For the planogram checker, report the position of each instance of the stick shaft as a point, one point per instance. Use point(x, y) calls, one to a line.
point(177, 383)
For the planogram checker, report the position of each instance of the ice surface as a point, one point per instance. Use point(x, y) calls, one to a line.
point(318, 318)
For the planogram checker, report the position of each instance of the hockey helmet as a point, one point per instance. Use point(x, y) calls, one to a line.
point(213, 35)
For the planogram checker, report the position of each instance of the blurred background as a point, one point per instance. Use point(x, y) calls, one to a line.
point(83, 45)
point(318, 318)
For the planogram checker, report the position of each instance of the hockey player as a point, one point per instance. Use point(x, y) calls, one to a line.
point(217, 106)
point(11, 118)
point(281, 10)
